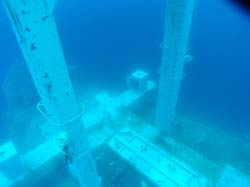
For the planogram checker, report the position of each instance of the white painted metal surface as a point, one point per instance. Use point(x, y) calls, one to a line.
point(11, 165)
point(14, 167)
point(159, 167)
point(36, 32)
point(6, 151)
point(53, 146)
point(111, 105)
point(44, 152)
point(174, 50)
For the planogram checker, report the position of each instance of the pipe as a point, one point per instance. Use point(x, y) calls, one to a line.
point(36, 32)
point(176, 33)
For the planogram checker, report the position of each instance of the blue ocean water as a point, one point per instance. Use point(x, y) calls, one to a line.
point(109, 39)
point(106, 40)
point(217, 80)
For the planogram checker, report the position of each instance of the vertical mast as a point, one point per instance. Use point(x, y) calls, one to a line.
point(176, 34)
point(36, 32)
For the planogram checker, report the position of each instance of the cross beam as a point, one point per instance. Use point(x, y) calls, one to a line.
point(35, 29)
point(14, 167)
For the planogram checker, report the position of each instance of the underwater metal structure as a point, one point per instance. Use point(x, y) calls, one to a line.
point(15, 167)
point(36, 32)
point(174, 52)
point(161, 160)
